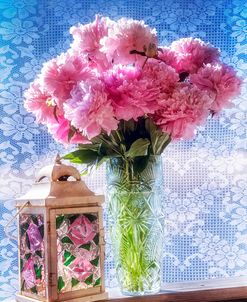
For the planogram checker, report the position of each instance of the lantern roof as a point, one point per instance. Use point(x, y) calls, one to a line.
point(59, 185)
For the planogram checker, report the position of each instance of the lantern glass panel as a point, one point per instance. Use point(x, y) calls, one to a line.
point(78, 251)
point(32, 254)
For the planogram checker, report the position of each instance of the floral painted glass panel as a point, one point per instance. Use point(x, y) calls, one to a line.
point(78, 251)
point(32, 255)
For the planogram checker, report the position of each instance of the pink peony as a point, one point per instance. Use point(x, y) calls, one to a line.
point(81, 231)
point(135, 92)
point(160, 74)
point(192, 53)
point(220, 81)
point(34, 237)
point(39, 103)
point(60, 75)
point(89, 109)
point(168, 56)
point(186, 108)
point(87, 39)
point(28, 273)
point(60, 131)
point(127, 35)
point(81, 268)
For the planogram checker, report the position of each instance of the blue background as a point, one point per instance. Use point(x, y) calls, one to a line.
point(205, 179)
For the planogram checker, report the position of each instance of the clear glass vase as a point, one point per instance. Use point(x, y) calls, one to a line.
point(135, 212)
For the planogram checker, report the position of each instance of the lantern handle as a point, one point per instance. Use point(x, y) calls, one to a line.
point(13, 218)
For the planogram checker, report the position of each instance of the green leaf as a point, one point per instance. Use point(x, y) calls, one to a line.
point(140, 163)
point(138, 148)
point(60, 283)
point(94, 147)
point(89, 280)
point(85, 246)
point(68, 258)
point(97, 282)
point(27, 256)
point(159, 139)
point(34, 290)
point(91, 217)
point(39, 253)
point(82, 156)
point(59, 221)
point(95, 262)
point(66, 240)
point(96, 239)
point(38, 271)
point(74, 282)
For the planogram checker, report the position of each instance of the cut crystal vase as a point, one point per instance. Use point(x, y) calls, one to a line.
point(135, 213)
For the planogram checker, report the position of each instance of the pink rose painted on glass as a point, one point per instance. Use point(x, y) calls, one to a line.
point(34, 237)
point(81, 268)
point(81, 231)
point(28, 274)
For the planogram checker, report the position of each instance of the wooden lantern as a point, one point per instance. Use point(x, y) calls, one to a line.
point(61, 239)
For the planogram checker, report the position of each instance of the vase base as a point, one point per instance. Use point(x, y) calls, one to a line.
point(140, 293)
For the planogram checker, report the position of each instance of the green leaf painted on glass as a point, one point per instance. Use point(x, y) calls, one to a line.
point(35, 219)
point(23, 286)
point(34, 290)
point(66, 240)
point(85, 246)
point(97, 282)
point(38, 271)
point(27, 256)
point(91, 217)
point(89, 280)
point(27, 242)
point(72, 218)
point(138, 148)
point(24, 228)
point(59, 221)
point(74, 282)
point(21, 264)
point(96, 239)
point(68, 258)
point(95, 261)
point(39, 253)
point(41, 230)
point(60, 283)
point(82, 156)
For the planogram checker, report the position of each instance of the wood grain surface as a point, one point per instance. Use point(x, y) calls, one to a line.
point(236, 294)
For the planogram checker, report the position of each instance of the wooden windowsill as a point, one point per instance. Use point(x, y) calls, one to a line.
point(225, 289)
point(236, 294)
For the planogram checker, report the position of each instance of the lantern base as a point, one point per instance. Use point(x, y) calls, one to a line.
point(97, 297)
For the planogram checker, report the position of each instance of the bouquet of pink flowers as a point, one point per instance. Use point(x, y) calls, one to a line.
point(116, 92)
